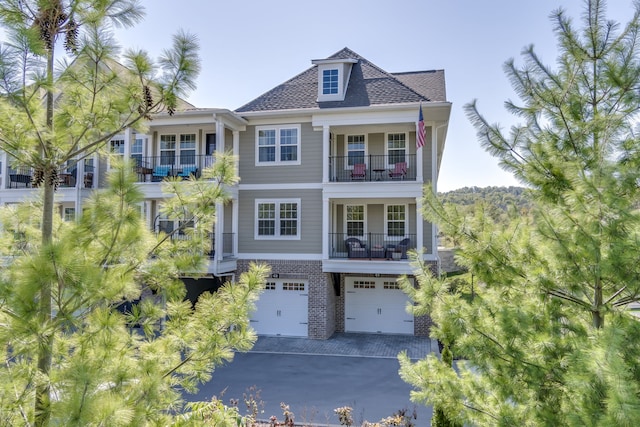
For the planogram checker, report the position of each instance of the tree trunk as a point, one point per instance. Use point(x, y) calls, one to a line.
point(45, 348)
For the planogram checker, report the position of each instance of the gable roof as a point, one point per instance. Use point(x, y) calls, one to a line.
point(368, 85)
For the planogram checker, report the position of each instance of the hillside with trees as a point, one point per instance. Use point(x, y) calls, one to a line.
point(499, 197)
point(499, 204)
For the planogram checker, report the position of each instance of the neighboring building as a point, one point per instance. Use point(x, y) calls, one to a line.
point(329, 197)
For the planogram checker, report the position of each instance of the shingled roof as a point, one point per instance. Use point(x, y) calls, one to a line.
point(368, 85)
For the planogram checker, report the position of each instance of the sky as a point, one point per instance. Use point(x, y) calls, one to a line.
point(248, 47)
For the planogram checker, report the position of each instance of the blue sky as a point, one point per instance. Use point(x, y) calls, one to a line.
point(248, 47)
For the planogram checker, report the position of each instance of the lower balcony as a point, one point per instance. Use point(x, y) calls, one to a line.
point(371, 246)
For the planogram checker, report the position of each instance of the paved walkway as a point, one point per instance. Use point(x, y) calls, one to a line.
point(349, 344)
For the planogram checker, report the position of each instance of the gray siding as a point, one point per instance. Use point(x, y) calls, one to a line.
point(310, 225)
point(309, 170)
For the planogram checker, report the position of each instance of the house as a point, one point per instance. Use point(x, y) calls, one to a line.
point(331, 187)
point(329, 196)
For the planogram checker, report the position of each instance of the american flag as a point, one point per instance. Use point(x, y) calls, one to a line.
point(420, 132)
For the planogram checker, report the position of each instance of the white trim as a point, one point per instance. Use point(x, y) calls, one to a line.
point(277, 219)
point(278, 145)
point(284, 186)
point(280, 256)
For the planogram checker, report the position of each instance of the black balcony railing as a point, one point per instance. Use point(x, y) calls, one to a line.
point(22, 177)
point(157, 168)
point(372, 246)
point(396, 167)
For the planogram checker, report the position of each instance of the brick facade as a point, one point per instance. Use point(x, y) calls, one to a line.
point(326, 310)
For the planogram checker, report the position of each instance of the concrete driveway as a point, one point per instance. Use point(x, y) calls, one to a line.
point(315, 377)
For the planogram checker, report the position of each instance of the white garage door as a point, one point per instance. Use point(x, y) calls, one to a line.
point(283, 309)
point(376, 304)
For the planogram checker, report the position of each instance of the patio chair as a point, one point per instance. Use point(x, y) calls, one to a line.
point(359, 171)
point(188, 171)
point(399, 171)
point(160, 172)
point(355, 248)
point(401, 247)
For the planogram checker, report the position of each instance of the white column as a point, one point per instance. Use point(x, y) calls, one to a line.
point(419, 224)
point(236, 149)
point(326, 211)
point(234, 225)
point(219, 136)
point(218, 228)
point(325, 153)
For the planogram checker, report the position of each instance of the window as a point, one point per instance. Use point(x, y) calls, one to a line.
point(167, 149)
point(396, 220)
point(356, 149)
point(277, 219)
point(165, 225)
point(136, 151)
point(117, 146)
point(355, 220)
point(396, 148)
point(69, 214)
point(188, 149)
point(278, 144)
point(330, 82)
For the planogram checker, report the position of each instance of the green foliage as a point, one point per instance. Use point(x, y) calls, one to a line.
point(103, 370)
point(69, 356)
point(533, 343)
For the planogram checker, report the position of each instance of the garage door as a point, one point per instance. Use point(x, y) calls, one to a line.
point(376, 305)
point(283, 309)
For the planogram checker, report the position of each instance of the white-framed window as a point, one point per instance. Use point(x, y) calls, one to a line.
point(69, 214)
point(116, 147)
point(396, 148)
point(167, 149)
point(137, 150)
point(188, 149)
point(355, 225)
point(356, 150)
point(277, 219)
point(278, 145)
point(330, 81)
point(395, 225)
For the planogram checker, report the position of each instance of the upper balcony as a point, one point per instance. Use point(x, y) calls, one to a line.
point(157, 168)
point(397, 167)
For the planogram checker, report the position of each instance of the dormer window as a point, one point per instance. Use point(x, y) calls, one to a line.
point(333, 78)
point(330, 82)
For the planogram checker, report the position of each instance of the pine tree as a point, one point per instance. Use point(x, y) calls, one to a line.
point(70, 357)
point(548, 338)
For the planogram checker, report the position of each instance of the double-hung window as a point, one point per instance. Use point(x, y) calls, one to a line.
point(277, 219)
point(188, 149)
point(355, 220)
point(356, 149)
point(278, 144)
point(137, 151)
point(396, 221)
point(167, 149)
point(396, 148)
